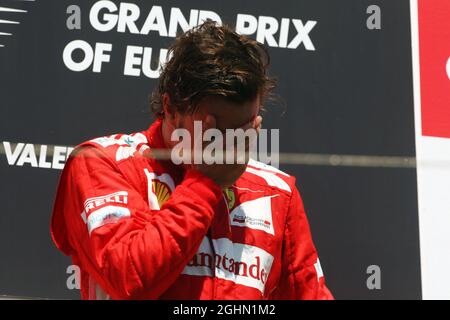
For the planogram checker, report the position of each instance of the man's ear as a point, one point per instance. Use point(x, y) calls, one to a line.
point(166, 104)
point(171, 116)
point(167, 109)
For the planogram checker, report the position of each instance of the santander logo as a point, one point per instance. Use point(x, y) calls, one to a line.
point(237, 262)
point(225, 263)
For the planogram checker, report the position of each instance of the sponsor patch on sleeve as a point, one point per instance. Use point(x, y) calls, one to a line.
point(101, 210)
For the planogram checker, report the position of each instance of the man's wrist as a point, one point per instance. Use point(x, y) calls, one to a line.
point(194, 177)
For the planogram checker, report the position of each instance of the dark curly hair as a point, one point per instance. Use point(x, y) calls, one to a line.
point(213, 60)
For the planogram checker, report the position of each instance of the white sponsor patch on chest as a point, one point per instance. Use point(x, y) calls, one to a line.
point(237, 262)
point(254, 214)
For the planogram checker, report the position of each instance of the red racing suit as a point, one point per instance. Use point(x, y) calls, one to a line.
point(140, 228)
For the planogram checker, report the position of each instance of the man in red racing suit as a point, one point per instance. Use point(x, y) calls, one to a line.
point(140, 227)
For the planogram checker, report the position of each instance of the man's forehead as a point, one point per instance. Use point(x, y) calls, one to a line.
point(231, 115)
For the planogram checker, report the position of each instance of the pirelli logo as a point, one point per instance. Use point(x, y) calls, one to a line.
point(117, 197)
point(101, 210)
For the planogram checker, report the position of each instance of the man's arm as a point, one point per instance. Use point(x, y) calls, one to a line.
point(301, 274)
point(130, 250)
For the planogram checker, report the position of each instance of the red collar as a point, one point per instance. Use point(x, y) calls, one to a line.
point(154, 135)
point(156, 141)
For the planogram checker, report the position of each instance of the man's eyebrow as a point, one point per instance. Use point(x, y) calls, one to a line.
point(251, 120)
point(238, 126)
point(245, 123)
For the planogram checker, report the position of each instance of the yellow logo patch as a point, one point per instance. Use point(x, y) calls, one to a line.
point(231, 198)
point(162, 192)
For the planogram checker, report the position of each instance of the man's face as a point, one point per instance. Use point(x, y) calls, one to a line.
point(227, 115)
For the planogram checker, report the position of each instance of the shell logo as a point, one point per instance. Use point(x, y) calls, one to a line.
point(159, 188)
point(162, 192)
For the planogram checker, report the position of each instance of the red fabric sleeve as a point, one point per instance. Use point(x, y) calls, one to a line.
point(301, 274)
point(132, 252)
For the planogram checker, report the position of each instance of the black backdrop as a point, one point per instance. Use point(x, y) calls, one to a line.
point(352, 95)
